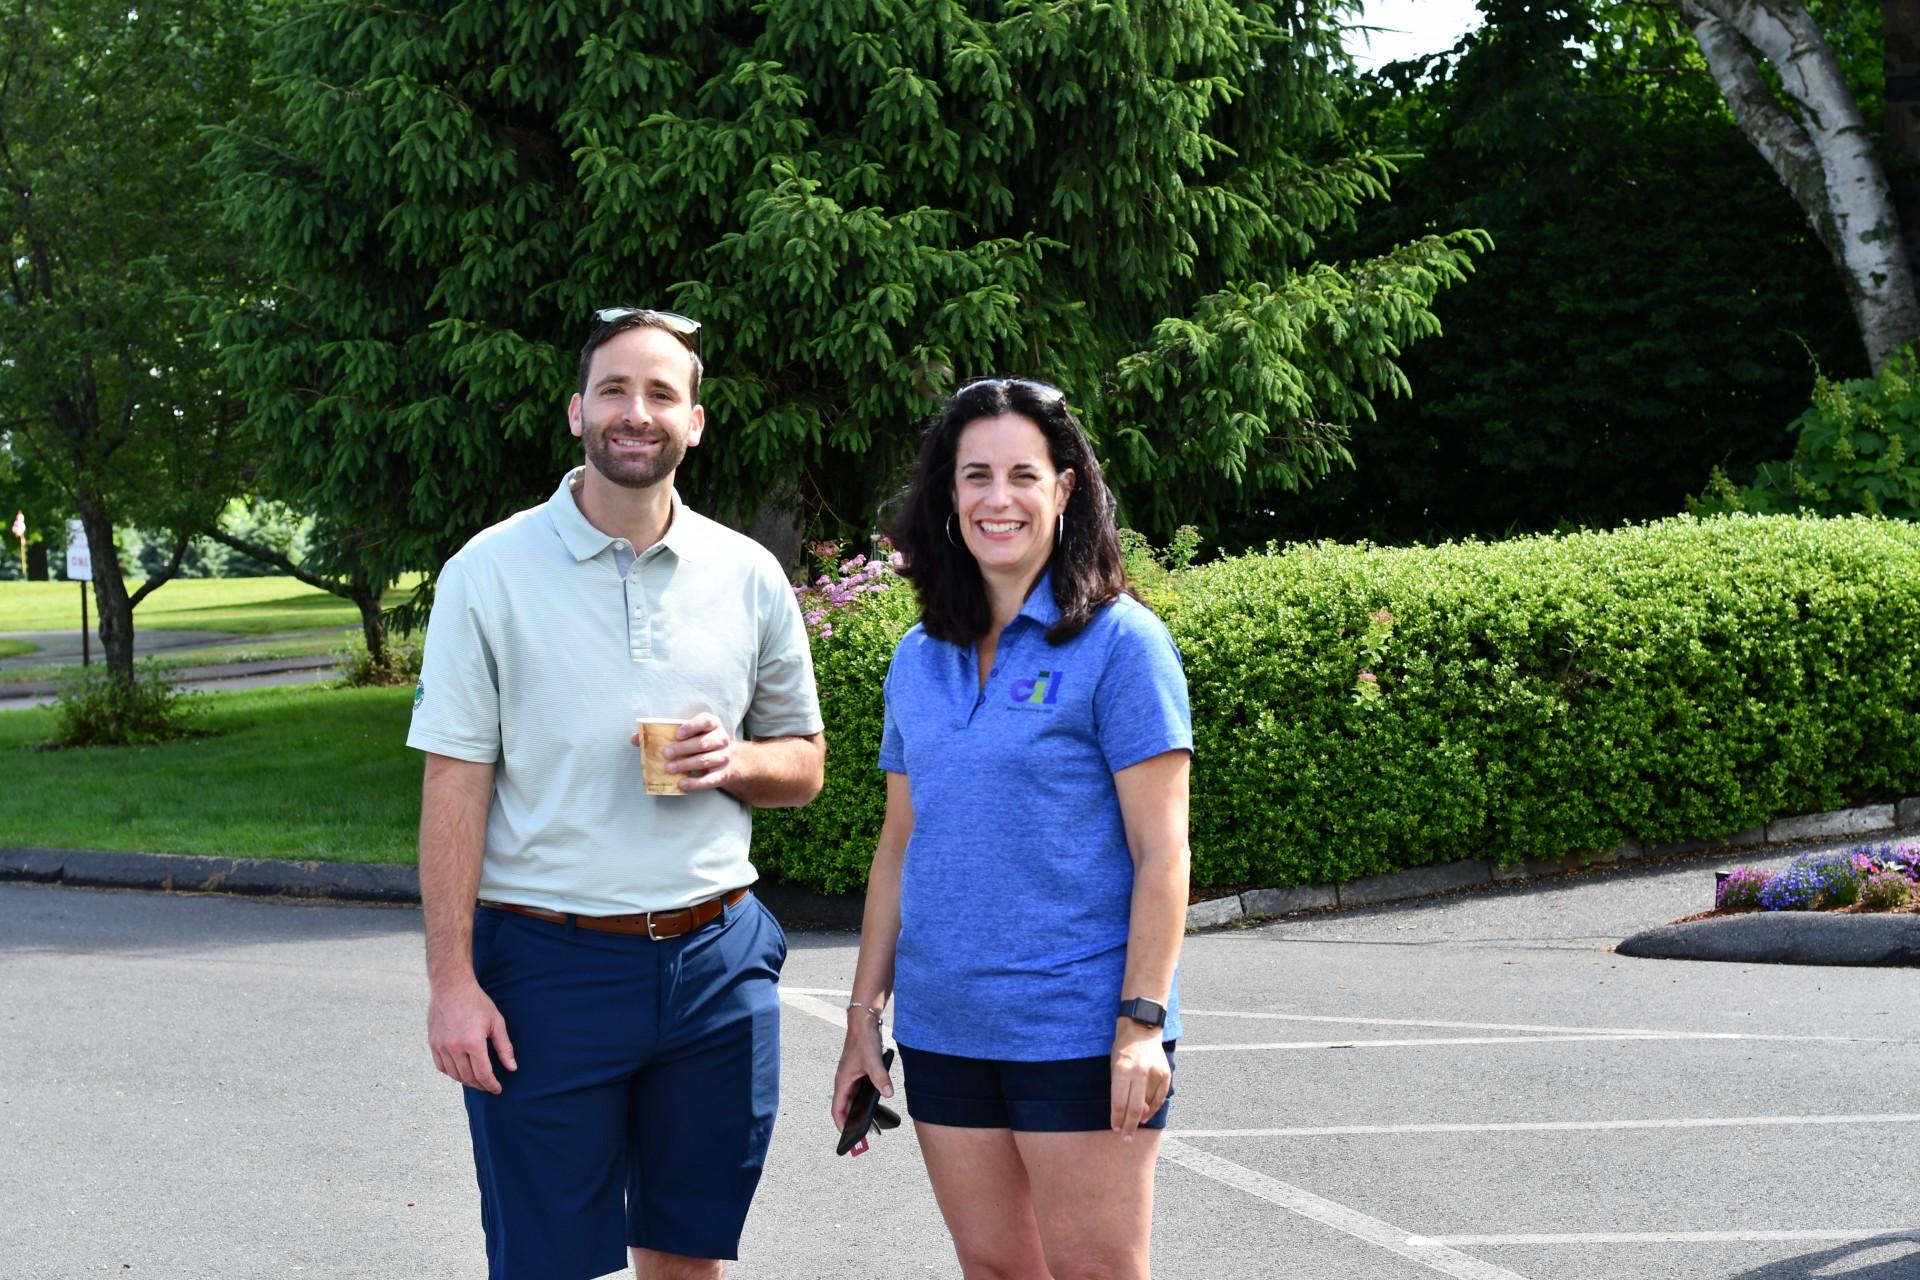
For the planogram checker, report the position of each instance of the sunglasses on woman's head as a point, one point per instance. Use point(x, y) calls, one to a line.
point(1046, 389)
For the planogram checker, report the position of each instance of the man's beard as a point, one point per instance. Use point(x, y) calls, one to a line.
point(634, 472)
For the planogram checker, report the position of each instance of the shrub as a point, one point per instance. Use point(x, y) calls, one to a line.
point(1740, 891)
point(1857, 449)
point(95, 710)
point(1360, 710)
point(1886, 891)
point(1543, 696)
point(399, 665)
point(1155, 575)
point(1815, 880)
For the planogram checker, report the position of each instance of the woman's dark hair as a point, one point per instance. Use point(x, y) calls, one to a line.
point(1086, 566)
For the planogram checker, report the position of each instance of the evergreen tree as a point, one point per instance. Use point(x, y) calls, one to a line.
point(864, 202)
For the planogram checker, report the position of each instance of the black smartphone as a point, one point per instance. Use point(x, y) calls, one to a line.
point(864, 1111)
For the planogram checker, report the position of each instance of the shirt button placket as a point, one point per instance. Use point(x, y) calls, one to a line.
point(639, 626)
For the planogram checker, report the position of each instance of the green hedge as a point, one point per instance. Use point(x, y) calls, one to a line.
point(1359, 710)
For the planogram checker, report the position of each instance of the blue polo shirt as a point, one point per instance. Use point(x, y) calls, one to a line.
point(1017, 887)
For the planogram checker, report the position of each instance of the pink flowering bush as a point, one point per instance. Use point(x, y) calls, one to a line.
point(1901, 859)
point(856, 610)
point(1886, 891)
point(841, 583)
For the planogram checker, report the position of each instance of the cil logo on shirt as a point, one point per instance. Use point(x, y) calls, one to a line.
point(1042, 690)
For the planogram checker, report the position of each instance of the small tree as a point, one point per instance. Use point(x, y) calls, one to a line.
point(106, 389)
point(333, 567)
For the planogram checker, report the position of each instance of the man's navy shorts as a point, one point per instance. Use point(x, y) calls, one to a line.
point(1066, 1095)
point(649, 1074)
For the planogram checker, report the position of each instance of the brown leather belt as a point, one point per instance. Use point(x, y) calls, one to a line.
point(658, 925)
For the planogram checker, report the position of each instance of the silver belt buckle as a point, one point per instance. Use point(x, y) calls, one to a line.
point(651, 935)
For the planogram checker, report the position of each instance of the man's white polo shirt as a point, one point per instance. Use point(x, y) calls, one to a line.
point(540, 654)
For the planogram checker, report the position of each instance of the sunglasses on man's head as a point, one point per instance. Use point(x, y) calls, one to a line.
point(864, 1111)
point(685, 328)
point(672, 321)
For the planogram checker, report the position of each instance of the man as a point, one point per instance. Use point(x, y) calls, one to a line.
point(602, 981)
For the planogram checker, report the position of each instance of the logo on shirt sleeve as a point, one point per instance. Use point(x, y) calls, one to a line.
point(1042, 690)
point(419, 694)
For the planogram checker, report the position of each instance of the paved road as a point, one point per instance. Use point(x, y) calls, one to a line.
point(209, 1088)
point(64, 647)
point(259, 675)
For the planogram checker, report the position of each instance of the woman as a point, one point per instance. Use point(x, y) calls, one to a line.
point(1029, 889)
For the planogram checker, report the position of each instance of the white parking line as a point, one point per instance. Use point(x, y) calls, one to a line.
point(1438, 1255)
point(1523, 1032)
point(1646, 1032)
point(1187, 1047)
point(1678, 1237)
point(1549, 1126)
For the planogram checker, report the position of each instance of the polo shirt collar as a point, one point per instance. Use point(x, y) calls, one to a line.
point(586, 542)
point(1040, 605)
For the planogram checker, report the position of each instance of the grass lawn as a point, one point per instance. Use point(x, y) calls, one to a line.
point(301, 772)
point(14, 648)
point(254, 606)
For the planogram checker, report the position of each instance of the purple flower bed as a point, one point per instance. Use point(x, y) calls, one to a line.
point(1818, 881)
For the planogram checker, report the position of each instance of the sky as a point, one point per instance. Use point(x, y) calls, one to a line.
point(1410, 28)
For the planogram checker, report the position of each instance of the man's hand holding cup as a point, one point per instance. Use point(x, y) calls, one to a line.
point(681, 756)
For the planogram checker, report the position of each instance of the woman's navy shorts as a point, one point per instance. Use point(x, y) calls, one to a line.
point(641, 1112)
point(1066, 1095)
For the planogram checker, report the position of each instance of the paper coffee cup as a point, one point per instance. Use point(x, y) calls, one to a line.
point(654, 737)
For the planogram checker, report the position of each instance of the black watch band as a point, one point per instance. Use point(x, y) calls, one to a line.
point(1149, 1013)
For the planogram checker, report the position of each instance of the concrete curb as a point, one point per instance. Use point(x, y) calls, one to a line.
point(188, 675)
point(178, 873)
point(347, 882)
point(797, 906)
point(1421, 882)
point(1785, 937)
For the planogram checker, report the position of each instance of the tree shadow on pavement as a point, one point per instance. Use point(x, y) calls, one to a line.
point(1894, 1256)
point(60, 919)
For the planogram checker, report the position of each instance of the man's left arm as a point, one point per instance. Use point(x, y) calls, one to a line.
point(767, 773)
point(782, 765)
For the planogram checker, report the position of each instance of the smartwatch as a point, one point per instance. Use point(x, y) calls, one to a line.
point(1146, 1012)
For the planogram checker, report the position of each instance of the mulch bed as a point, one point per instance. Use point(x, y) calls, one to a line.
point(1911, 909)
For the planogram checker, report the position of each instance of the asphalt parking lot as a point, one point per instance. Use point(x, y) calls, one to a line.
point(1471, 1087)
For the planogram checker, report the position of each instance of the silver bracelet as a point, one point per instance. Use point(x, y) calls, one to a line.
point(878, 1021)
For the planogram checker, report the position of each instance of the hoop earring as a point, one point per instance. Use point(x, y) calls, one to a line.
point(949, 528)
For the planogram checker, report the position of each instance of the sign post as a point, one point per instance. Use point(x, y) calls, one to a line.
point(20, 532)
point(80, 570)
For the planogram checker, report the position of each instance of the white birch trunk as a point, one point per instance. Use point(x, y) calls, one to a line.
point(1820, 146)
